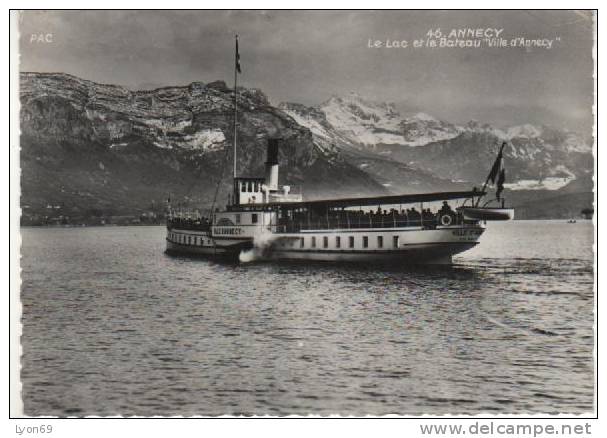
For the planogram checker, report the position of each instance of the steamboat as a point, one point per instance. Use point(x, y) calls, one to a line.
point(263, 220)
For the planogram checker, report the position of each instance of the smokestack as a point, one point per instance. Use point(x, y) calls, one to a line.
point(272, 164)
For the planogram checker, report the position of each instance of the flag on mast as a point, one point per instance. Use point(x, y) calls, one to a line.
point(495, 170)
point(237, 57)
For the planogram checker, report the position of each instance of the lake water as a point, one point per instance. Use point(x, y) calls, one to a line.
point(113, 326)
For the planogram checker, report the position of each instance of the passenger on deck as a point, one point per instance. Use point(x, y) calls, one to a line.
point(446, 209)
point(414, 215)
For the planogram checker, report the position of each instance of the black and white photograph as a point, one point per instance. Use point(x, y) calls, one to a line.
point(275, 213)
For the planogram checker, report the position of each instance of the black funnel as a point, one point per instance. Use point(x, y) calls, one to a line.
point(272, 157)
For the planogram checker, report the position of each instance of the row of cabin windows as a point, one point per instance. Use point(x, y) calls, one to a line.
point(250, 186)
point(186, 240)
point(365, 242)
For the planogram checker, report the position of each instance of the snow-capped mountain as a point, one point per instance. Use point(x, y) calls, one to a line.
point(539, 157)
point(325, 137)
point(523, 131)
point(422, 129)
point(363, 122)
point(544, 161)
point(90, 147)
point(484, 128)
point(390, 173)
point(368, 124)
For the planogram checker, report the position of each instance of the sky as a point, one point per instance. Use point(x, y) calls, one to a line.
point(309, 56)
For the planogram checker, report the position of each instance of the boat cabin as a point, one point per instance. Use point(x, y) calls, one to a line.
point(248, 190)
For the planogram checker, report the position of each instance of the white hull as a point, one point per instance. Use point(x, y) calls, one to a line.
point(406, 256)
point(390, 246)
point(177, 248)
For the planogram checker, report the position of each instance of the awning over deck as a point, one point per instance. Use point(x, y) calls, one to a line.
point(379, 200)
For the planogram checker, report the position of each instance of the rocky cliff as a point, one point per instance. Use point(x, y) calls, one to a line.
point(89, 149)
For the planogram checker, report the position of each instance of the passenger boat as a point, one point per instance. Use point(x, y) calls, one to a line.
point(265, 221)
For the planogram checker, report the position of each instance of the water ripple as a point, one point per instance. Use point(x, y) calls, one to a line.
point(111, 325)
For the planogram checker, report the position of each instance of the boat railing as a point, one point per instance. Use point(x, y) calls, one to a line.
point(198, 224)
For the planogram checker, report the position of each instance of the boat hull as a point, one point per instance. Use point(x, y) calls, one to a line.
point(398, 246)
point(206, 250)
point(408, 255)
point(180, 249)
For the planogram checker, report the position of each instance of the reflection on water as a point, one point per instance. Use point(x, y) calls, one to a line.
point(112, 325)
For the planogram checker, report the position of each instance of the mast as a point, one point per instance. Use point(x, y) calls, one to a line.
point(236, 71)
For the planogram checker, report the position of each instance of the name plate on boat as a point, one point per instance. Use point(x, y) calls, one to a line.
point(233, 231)
point(469, 233)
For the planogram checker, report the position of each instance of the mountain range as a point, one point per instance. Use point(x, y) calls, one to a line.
point(91, 150)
